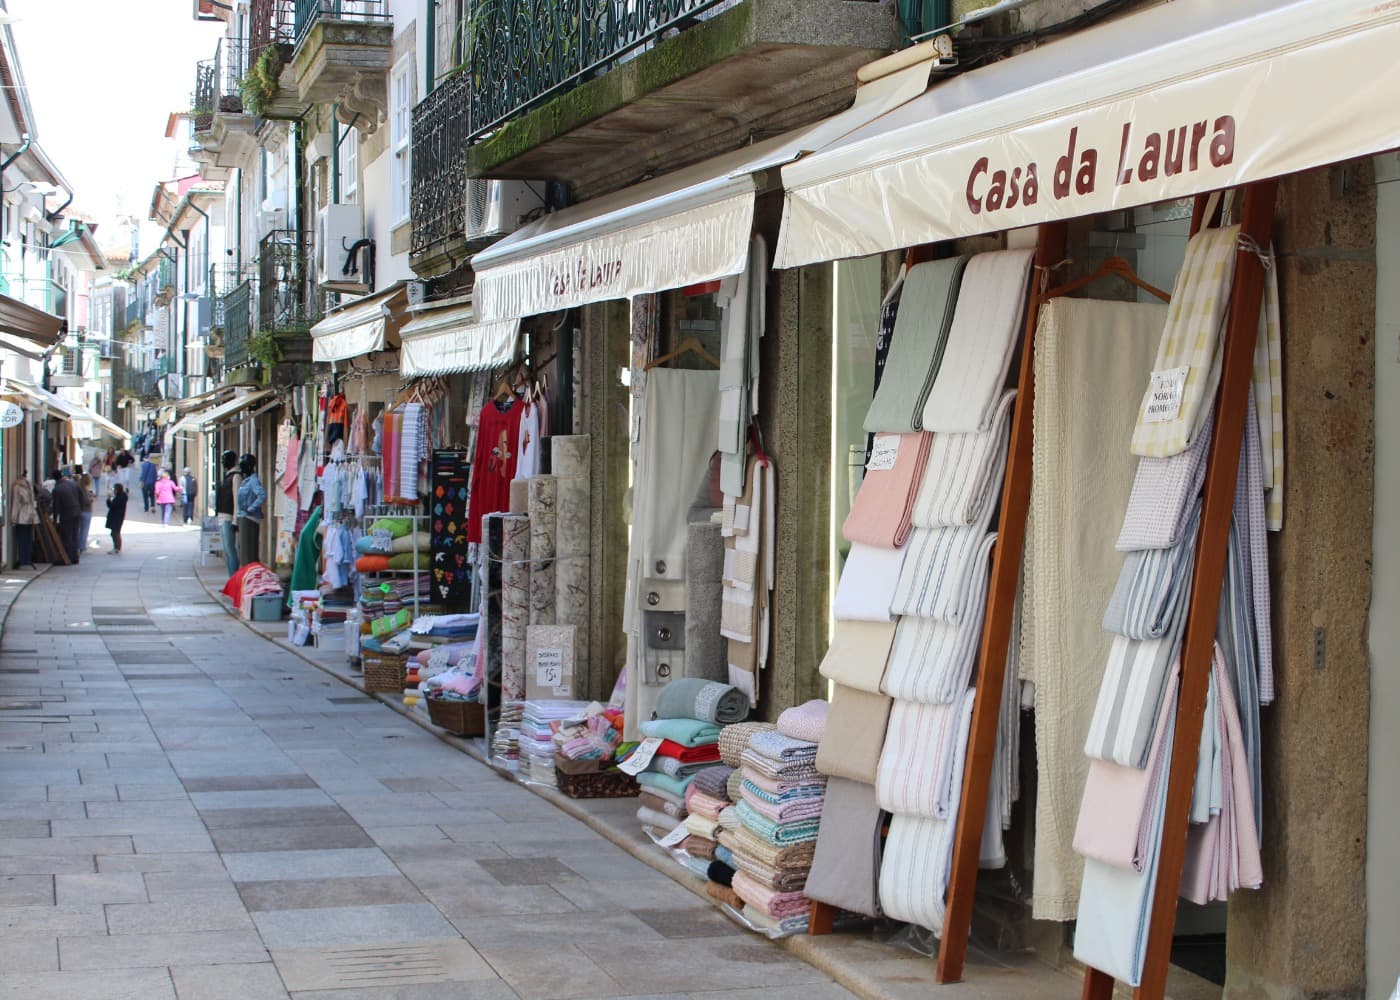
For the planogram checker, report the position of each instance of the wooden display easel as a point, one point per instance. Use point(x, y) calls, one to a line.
point(49, 541)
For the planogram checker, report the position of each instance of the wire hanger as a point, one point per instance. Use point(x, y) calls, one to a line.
point(1112, 267)
point(690, 345)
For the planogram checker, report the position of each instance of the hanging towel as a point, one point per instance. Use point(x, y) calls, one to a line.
point(710, 701)
point(1114, 816)
point(926, 306)
point(964, 472)
point(1154, 586)
point(846, 866)
point(1089, 365)
point(1159, 506)
point(1251, 517)
point(1130, 697)
point(868, 581)
point(937, 576)
point(1236, 634)
point(1268, 389)
point(880, 515)
point(917, 772)
point(983, 337)
point(409, 451)
point(914, 870)
point(855, 734)
point(1187, 368)
point(857, 654)
point(932, 661)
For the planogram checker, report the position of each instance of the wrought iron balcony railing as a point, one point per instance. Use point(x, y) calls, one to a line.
point(522, 52)
point(230, 67)
point(202, 101)
point(238, 323)
point(441, 129)
point(271, 22)
point(287, 296)
point(308, 12)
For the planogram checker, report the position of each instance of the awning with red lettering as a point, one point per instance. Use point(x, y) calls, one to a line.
point(1179, 99)
point(684, 228)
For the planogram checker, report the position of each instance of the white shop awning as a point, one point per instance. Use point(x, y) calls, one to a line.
point(89, 425)
point(1226, 92)
point(362, 327)
point(39, 398)
point(447, 338)
point(686, 227)
point(204, 420)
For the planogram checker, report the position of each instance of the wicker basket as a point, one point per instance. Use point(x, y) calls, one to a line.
point(461, 718)
point(384, 672)
point(612, 784)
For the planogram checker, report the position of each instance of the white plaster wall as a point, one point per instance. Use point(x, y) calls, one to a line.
point(1383, 801)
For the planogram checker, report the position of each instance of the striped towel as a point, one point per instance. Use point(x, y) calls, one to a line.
point(746, 844)
point(880, 515)
point(797, 832)
point(981, 341)
point(1153, 586)
point(779, 905)
point(762, 789)
point(964, 472)
point(926, 308)
point(1251, 514)
point(918, 773)
point(801, 770)
point(410, 447)
point(782, 749)
point(931, 661)
point(1191, 340)
point(936, 580)
point(779, 879)
point(1125, 715)
point(914, 870)
point(1163, 490)
point(791, 811)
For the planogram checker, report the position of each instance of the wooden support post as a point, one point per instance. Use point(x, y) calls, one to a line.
point(996, 632)
point(821, 918)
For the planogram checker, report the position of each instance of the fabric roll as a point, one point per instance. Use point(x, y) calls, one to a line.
point(964, 472)
point(981, 341)
point(515, 604)
point(656, 820)
point(880, 515)
point(1190, 340)
point(1154, 586)
point(713, 780)
point(569, 463)
point(686, 732)
point(1113, 816)
point(857, 655)
point(846, 865)
point(651, 800)
point(1089, 364)
point(804, 722)
point(673, 766)
point(937, 578)
point(776, 879)
point(855, 735)
point(734, 740)
point(926, 307)
point(932, 661)
point(706, 651)
point(918, 772)
point(866, 590)
point(693, 698)
point(542, 504)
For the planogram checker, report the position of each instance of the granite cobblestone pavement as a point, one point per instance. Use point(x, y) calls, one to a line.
point(188, 810)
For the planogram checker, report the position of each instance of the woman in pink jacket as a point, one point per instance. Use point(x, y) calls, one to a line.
point(166, 492)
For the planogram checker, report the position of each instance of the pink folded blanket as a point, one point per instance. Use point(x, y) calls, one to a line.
point(789, 789)
point(704, 805)
point(806, 721)
point(786, 812)
point(776, 904)
point(883, 509)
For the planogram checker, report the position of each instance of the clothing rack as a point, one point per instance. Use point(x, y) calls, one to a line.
point(401, 511)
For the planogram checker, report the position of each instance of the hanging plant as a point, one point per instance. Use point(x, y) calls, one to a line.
point(260, 85)
point(264, 349)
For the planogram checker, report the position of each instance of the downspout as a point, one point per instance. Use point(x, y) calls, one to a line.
point(208, 255)
point(430, 60)
point(335, 155)
point(23, 148)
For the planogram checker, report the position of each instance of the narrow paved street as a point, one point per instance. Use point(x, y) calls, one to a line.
point(188, 810)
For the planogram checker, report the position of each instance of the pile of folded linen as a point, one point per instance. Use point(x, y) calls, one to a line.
point(686, 746)
point(537, 727)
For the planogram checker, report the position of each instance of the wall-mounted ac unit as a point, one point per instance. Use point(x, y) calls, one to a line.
point(338, 231)
point(499, 208)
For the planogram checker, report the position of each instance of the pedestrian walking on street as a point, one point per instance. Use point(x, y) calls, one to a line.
point(189, 488)
point(89, 493)
point(252, 499)
point(24, 514)
point(148, 485)
point(165, 492)
point(116, 514)
point(68, 506)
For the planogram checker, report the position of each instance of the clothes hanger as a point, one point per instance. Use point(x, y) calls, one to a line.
point(1112, 267)
point(690, 345)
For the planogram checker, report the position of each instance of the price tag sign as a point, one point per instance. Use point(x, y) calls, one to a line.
point(1165, 394)
point(641, 757)
point(883, 454)
point(674, 837)
point(549, 667)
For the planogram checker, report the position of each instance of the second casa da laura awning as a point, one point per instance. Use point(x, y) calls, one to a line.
point(445, 338)
point(1180, 99)
point(687, 227)
point(364, 326)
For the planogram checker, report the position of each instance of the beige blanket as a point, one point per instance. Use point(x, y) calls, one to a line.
point(1091, 365)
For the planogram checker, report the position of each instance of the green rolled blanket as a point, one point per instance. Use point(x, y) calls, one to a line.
point(693, 698)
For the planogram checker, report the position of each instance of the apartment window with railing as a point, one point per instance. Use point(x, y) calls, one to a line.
point(401, 97)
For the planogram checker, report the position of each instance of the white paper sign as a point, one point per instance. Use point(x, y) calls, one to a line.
point(1164, 395)
point(549, 667)
point(883, 453)
point(675, 836)
point(641, 757)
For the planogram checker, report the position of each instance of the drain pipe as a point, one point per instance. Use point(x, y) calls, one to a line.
point(23, 148)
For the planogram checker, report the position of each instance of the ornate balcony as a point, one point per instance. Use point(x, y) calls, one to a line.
point(269, 89)
point(237, 308)
point(344, 49)
point(599, 92)
point(222, 130)
point(441, 126)
point(289, 302)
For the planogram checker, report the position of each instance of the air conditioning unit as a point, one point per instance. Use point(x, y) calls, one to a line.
point(338, 231)
point(499, 208)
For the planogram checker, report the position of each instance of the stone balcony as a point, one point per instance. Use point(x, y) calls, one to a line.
point(345, 60)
